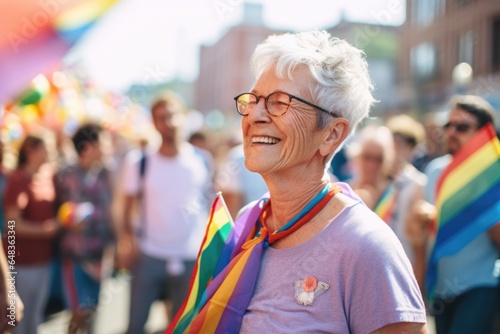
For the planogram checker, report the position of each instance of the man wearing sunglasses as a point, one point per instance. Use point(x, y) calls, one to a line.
point(465, 294)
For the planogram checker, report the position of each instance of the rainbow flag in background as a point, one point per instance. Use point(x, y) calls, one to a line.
point(386, 203)
point(223, 280)
point(35, 35)
point(467, 198)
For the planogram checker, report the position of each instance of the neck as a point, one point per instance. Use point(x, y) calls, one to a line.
point(84, 163)
point(169, 148)
point(31, 168)
point(289, 198)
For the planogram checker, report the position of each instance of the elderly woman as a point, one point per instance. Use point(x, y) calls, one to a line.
point(315, 259)
point(372, 155)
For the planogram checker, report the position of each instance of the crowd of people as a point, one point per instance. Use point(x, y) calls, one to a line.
point(307, 179)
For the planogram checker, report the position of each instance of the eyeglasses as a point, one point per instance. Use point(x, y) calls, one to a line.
point(276, 103)
point(459, 127)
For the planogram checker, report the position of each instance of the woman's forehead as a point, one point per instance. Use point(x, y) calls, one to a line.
point(269, 82)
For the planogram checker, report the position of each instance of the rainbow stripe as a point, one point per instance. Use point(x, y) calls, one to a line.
point(384, 207)
point(216, 235)
point(218, 296)
point(467, 198)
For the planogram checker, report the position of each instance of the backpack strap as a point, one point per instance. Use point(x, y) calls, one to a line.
point(142, 166)
point(142, 176)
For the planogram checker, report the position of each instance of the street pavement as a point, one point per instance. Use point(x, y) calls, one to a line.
point(112, 314)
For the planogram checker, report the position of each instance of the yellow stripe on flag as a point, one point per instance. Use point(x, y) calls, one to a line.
point(224, 292)
point(467, 171)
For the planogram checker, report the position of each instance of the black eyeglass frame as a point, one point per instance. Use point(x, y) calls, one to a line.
point(290, 96)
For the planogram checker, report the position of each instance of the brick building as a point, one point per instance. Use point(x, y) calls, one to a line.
point(437, 36)
point(224, 66)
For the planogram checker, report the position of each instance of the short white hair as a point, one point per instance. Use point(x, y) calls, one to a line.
point(339, 70)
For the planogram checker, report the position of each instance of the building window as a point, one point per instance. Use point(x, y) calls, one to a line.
point(423, 12)
point(496, 44)
point(466, 48)
point(423, 60)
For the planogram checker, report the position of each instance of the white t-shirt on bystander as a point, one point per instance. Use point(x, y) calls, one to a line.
point(175, 201)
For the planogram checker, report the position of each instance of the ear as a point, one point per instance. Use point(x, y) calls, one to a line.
point(335, 133)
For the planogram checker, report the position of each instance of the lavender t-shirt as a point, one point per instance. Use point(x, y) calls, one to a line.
point(364, 281)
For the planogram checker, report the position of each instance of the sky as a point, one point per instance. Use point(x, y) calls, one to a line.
point(152, 41)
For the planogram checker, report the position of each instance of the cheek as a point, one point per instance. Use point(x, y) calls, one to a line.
point(244, 125)
point(301, 134)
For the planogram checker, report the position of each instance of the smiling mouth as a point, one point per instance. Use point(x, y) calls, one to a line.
point(265, 140)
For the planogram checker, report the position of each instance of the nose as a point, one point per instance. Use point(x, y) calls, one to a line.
point(259, 113)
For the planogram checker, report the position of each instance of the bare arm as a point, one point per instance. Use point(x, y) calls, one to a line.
point(128, 206)
point(24, 228)
point(417, 231)
point(403, 328)
point(127, 249)
point(494, 234)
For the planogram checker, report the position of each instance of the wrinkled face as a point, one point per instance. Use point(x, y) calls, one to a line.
point(167, 120)
point(460, 128)
point(371, 161)
point(273, 144)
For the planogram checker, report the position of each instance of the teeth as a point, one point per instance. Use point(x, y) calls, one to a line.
point(265, 140)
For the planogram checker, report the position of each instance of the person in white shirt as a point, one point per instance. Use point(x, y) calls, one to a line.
point(172, 186)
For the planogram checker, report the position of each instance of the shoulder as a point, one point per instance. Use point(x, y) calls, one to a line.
point(197, 154)
point(437, 165)
point(362, 232)
point(419, 177)
point(135, 155)
point(65, 171)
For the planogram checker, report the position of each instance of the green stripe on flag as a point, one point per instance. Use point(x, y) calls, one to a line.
point(468, 194)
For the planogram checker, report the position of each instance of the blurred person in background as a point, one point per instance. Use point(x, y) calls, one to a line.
point(433, 146)
point(466, 282)
point(84, 196)
point(341, 167)
point(199, 139)
point(239, 185)
point(372, 154)
point(29, 201)
point(171, 186)
point(409, 184)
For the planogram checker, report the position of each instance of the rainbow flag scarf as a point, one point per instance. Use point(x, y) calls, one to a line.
point(195, 315)
point(384, 207)
point(467, 198)
point(219, 307)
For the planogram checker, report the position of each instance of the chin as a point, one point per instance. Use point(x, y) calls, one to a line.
point(452, 149)
point(253, 167)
